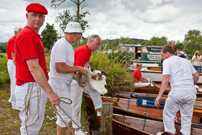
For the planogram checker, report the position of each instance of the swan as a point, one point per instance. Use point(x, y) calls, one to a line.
point(98, 85)
point(83, 80)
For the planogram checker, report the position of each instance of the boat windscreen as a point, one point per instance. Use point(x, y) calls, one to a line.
point(154, 49)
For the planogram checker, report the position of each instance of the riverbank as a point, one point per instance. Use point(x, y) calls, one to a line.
point(10, 122)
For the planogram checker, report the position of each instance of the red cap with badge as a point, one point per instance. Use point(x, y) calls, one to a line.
point(36, 7)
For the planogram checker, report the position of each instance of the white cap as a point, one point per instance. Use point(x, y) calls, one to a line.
point(73, 27)
point(16, 29)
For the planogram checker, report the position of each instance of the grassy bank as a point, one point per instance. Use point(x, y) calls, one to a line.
point(9, 119)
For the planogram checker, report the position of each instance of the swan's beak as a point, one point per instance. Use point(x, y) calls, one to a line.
point(103, 73)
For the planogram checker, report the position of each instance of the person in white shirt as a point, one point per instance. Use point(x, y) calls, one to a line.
point(182, 76)
point(62, 69)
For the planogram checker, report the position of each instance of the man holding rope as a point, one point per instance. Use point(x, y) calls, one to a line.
point(61, 72)
point(182, 76)
point(32, 87)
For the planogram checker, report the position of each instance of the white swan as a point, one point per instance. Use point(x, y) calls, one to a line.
point(98, 85)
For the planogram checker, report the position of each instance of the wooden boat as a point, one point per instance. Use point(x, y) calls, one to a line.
point(129, 107)
point(155, 89)
point(131, 123)
point(155, 74)
point(148, 125)
point(150, 88)
point(123, 94)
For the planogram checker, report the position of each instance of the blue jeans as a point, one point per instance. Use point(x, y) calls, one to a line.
point(198, 68)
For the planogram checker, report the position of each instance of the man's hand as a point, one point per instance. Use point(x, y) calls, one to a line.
point(82, 70)
point(157, 100)
point(54, 99)
point(145, 80)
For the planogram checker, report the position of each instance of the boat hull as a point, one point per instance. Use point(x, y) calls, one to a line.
point(155, 74)
point(133, 122)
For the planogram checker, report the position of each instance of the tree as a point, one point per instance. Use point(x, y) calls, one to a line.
point(156, 41)
point(113, 44)
point(192, 42)
point(49, 35)
point(63, 19)
point(79, 17)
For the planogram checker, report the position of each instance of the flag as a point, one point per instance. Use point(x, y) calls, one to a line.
point(173, 46)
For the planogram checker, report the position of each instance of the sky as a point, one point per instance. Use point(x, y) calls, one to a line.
point(111, 19)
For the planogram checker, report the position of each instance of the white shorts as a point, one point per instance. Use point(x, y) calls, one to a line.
point(11, 71)
point(62, 90)
point(36, 109)
point(76, 95)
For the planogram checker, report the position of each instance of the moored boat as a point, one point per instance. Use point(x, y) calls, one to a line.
point(155, 74)
point(129, 107)
point(149, 125)
point(154, 88)
point(127, 121)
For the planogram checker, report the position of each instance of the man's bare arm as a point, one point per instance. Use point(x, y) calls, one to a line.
point(64, 68)
point(164, 85)
point(13, 56)
point(41, 79)
point(196, 77)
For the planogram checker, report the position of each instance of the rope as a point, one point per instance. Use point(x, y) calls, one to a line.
point(27, 103)
point(27, 106)
point(54, 108)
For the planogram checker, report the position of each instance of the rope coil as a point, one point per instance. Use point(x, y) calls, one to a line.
point(27, 106)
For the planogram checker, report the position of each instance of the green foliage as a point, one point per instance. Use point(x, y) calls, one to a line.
point(65, 17)
point(178, 45)
point(3, 48)
point(3, 43)
point(117, 74)
point(156, 41)
point(49, 35)
point(192, 42)
point(113, 44)
point(84, 40)
point(121, 57)
point(4, 76)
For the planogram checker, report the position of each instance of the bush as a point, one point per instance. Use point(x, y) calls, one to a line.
point(117, 74)
point(4, 76)
point(121, 57)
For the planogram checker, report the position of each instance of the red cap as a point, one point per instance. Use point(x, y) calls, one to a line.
point(36, 7)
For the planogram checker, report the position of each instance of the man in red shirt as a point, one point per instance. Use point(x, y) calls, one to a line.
point(32, 87)
point(81, 57)
point(137, 76)
point(11, 66)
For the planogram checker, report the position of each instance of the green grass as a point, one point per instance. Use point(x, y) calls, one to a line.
point(9, 118)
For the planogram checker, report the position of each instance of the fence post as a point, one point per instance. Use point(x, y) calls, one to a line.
point(106, 118)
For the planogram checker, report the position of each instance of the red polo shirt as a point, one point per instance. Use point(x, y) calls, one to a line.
point(28, 45)
point(137, 75)
point(10, 47)
point(81, 55)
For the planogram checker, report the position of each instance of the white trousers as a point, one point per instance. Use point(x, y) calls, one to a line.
point(76, 96)
point(62, 90)
point(11, 71)
point(31, 114)
point(182, 100)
